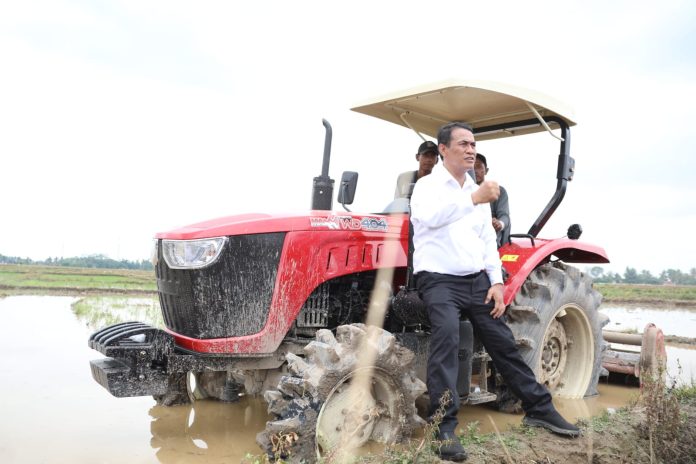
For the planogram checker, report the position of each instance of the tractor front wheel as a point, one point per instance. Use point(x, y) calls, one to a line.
point(348, 389)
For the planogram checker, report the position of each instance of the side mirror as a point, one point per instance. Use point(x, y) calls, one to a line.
point(346, 191)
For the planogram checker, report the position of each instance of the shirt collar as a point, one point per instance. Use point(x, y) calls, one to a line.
point(444, 176)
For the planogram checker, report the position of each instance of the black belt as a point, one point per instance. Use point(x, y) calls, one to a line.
point(472, 276)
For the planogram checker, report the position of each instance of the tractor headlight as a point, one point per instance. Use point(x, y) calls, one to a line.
point(192, 254)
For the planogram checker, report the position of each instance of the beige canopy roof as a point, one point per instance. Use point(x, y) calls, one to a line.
point(480, 103)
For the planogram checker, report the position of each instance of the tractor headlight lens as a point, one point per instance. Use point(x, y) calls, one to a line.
point(192, 254)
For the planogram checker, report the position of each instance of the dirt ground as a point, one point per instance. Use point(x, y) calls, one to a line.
point(622, 437)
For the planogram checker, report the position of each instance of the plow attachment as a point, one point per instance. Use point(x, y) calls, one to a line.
point(622, 356)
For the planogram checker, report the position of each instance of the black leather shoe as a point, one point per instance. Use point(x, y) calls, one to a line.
point(552, 421)
point(449, 448)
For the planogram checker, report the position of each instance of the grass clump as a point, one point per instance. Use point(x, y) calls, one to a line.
point(102, 311)
point(670, 437)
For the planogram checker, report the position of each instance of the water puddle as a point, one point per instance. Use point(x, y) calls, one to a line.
point(671, 320)
point(54, 412)
point(207, 431)
point(610, 397)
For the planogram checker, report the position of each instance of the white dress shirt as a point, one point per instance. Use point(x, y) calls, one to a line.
point(451, 235)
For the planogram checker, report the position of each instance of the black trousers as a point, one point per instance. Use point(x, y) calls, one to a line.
point(448, 299)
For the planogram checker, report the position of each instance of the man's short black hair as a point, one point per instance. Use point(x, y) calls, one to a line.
point(482, 159)
point(444, 135)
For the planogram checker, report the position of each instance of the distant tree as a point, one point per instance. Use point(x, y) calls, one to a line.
point(681, 278)
point(646, 277)
point(630, 276)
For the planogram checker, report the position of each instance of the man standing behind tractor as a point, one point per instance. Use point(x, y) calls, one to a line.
point(427, 159)
point(500, 208)
point(458, 274)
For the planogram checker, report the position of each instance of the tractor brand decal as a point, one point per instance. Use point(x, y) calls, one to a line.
point(349, 223)
point(376, 224)
point(509, 258)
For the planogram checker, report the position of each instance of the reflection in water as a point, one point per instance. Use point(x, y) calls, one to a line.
point(207, 431)
point(101, 311)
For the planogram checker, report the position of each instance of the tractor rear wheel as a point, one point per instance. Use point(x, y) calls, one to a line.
point(558, 331)
point(333, 400)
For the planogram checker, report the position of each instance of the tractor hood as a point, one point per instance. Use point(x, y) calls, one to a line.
point(482, 104)
point(244, 224)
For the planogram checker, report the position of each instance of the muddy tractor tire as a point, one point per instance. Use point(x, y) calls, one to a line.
point(333, 399)
point(558, 331)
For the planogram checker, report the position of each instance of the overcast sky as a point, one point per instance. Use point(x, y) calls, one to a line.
point(122, 119)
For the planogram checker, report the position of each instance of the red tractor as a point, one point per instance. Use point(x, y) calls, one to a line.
point(283, 305)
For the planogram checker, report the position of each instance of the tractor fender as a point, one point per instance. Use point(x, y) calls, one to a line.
point(523, 255)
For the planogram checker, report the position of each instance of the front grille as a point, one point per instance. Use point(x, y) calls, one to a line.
point(230, 298)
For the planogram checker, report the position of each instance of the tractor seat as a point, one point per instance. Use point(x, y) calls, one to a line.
point(397, 206)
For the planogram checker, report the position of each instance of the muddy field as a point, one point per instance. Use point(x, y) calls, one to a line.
point(55, 413)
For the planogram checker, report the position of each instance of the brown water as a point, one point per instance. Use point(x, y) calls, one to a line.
point(53, 412)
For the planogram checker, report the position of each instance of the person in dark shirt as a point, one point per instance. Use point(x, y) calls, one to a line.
point(500, 208)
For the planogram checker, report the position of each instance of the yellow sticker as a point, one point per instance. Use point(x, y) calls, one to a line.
point(510, 258)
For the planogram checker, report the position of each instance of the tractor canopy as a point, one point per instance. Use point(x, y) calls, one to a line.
point(493, 109)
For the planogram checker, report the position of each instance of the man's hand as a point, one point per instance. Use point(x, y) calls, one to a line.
point(488, 191)
point(496, 292)
point(497, 224)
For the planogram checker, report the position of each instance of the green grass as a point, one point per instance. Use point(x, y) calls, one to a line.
point(647, 293)
point(19, 278)
point(99, 311)
point(605, 420)
point(470, 436)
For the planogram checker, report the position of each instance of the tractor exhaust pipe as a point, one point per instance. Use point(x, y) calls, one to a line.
point(322, 188)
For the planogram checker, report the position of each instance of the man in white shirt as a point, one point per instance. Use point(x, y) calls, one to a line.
point(458, 274)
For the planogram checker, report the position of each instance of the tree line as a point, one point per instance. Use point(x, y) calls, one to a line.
point(91, 261)
point(633, 276)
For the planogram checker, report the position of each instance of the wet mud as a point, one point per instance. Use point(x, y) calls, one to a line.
point(54, 412)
